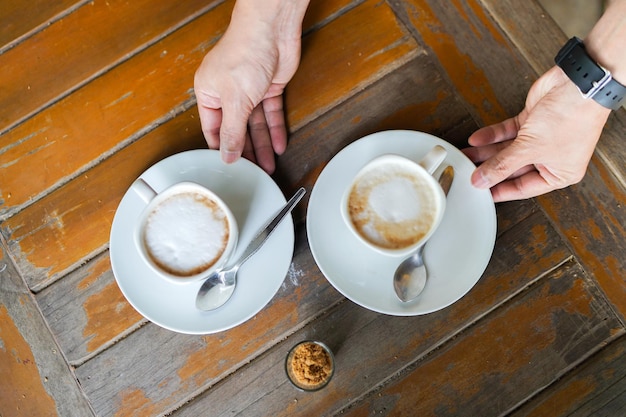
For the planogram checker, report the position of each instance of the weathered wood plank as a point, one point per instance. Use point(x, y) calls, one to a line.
point(87, 312)
point(350, 53)
point(413, 97)
point(73, 224)
point(596, 388)
point(473, 53)
point(60, 217)
point(592, 217)
point(75, 49)
point(486, 371)
point(430, 113)
point(209, 359)
point(600, 198)
point(370, 347)
point(116, 107)
point(77, 324)
point(163, 369)
point(20, 18)
point(55, 146)
point(34, 378)
point(537, 38)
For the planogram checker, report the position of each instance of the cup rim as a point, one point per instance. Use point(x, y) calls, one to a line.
point(407, 249)
point(290, 354)
point(161, 196)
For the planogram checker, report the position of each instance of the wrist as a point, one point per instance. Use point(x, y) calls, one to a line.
point(607, 40)
point(284, 17)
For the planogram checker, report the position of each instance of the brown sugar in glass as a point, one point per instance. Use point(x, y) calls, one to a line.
point(310, 365)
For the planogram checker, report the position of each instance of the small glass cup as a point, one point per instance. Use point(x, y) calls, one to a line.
point(310, 365)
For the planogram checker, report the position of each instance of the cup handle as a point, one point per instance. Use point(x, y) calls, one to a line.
point(144, 190)
point(433, 158)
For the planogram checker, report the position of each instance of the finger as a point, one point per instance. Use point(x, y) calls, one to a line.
point(235, 117)
point(248, 149)
point(275, 117)
point(528, 185)
point(261, 141)
point(498, 132)
point(502, 165)
point(210, 120)
point(479, 154)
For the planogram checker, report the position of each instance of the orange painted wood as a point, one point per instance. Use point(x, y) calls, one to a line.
point(19, 18)
point(203, 361)
point(484, 371)
point(600, 198)
point(34, 377)
point(71, 51)
point(92, 288)
point(371, 347)
point(73, 224)
point(348, 54)
point(593, 220)
point(60, 216)
point(76, 132)
point(596, 388)
point(541, 332)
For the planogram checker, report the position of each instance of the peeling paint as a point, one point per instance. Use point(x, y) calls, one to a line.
point(21, 385)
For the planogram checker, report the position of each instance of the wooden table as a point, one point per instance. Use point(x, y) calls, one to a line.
point(94, 93)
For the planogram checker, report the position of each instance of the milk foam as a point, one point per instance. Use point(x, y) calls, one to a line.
point(393, 205)
point(186, 233)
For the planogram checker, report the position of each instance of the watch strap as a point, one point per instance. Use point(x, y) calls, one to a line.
point(593, 80)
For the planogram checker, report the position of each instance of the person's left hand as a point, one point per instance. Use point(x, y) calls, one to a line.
point(546, 147)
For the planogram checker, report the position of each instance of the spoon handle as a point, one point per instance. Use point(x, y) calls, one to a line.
point(269, 227)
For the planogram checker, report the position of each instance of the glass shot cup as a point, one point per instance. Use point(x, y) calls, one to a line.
point(310, 365)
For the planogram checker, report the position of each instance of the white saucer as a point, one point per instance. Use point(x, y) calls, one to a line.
point(253, 197)
point(456, 256)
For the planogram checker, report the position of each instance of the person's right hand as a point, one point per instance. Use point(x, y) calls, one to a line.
point(240, 83)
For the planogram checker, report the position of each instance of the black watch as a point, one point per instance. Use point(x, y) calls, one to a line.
point(593, 80)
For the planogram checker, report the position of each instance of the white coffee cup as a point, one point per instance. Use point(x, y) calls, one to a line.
point(185, 232)
point(393, 204)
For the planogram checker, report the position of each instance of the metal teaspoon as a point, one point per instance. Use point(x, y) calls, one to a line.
point(410, 277)
point(219, 286)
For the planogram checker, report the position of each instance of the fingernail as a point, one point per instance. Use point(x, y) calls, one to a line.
point(230, 156)
point(479, 181)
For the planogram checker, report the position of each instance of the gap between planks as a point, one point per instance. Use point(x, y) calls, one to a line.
point(410, 366)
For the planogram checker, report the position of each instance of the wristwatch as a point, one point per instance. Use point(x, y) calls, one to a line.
point(592, 79)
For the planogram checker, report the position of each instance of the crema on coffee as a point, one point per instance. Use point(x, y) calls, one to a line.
point(186, 233)
point(393, 206)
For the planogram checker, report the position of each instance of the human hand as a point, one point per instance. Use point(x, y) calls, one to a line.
point(546, 147)
point(240, 83)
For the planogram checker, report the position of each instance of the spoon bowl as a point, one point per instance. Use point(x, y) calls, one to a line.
point(410, 277)
point(217, 289)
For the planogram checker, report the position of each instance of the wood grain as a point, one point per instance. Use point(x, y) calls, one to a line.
point(18, 19)
point(59, 216)
point(596, 388)
point(34, 377)
point(484, 372)
point(542, 332)
point(371, 348)
point(69, 53)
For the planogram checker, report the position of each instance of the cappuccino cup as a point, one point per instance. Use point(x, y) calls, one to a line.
point(393, 204)
point(185, 232)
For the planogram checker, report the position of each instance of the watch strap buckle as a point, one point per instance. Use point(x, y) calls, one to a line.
point(598, 85)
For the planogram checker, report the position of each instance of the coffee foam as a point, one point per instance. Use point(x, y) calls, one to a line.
point(392, 205)
point(186, 233)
